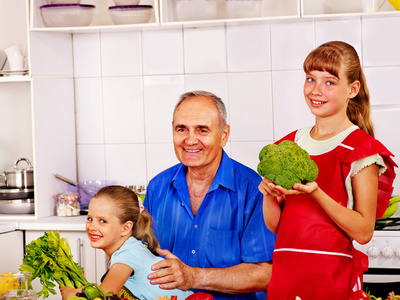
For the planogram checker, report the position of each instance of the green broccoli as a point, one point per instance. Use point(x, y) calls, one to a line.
point(286, 164)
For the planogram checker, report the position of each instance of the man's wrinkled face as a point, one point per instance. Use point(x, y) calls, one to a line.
point(197, 137)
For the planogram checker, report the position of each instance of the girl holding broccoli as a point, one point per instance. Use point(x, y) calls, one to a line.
point(118, 224)
point(316, 222)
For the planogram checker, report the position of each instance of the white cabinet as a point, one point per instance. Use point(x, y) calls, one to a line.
point(12, 251)
point(101, 18)
point(92, 261)
point(312, 8)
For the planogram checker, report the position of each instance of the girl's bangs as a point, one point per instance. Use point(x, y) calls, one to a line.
point(323, 60)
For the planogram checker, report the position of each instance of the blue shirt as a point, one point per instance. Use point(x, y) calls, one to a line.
point(228, 229)
point(134, 254)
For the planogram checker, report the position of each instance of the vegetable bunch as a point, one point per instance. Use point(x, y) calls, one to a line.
point(286, 164)
point(49, 258)
point(92, 291)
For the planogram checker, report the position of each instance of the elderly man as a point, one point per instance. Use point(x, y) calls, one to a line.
point(207, 210)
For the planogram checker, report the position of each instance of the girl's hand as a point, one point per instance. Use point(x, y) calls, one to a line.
point(267, 188)
point(299, 188)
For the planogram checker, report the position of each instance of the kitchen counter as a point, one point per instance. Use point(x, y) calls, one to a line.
point(53, 223)
point(6, 227)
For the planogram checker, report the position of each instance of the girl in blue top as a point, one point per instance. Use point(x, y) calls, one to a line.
point(118, 224)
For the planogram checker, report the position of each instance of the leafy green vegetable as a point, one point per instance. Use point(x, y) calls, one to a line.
point(286, 164)
point(49, 258)
point(92, 291)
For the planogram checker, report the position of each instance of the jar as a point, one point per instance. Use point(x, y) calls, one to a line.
point(68, 204)
point(139, 190)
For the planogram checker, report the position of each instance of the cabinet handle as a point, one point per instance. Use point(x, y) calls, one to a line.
point(80, 249)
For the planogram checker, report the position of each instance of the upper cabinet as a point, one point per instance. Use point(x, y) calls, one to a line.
point(106, 15)
point(313, 8)
point(172, 11)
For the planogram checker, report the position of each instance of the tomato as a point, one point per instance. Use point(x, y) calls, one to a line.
point(200, 296)
point(359, 295)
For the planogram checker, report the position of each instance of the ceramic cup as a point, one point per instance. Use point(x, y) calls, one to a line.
point(16, 63)
point(15, 50)
point(372, 5)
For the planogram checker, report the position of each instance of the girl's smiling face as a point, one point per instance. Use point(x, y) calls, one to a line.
point(328, 95)
point(103, 227)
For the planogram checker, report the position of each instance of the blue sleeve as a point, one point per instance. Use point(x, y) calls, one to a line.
point(258, 241)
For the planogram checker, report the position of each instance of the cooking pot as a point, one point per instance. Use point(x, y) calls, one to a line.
point(19, 178)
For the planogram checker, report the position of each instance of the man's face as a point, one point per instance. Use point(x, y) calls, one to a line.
point(197, 138)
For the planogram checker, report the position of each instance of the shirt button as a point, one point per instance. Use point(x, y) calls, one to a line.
point(195, 226)
point(183, 204)
point(193, 251)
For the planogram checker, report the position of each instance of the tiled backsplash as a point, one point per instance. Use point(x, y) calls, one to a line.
point(127, 84)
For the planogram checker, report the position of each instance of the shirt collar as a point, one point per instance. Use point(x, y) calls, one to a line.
point(224, 176)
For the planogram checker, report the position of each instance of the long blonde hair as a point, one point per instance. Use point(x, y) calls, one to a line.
point(126, 202)
point(330, 57)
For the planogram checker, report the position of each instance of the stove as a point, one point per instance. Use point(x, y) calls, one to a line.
point(383, 252)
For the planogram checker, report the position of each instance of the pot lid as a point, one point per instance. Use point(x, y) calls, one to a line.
point(16, 169)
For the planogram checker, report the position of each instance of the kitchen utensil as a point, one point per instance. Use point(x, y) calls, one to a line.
point(243, 8)
point(15, 280)
point(193, 10)
point(67, 15)
point(126, 2)
point(12, 51)
point(19, 178)
point(10, 194)
point(86, 189)
point(130, 14)
point(17, 206)
point(19, 295)
point(63, 1)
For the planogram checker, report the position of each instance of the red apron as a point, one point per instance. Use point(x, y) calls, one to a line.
point(313, 257)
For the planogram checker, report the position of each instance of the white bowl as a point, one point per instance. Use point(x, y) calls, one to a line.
point(126, 2)
point(195, 10)
point(67, 15)
point(63, 1)
point(130, 14)
point(243, 8)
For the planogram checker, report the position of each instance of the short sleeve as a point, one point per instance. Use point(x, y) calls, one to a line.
point(358, 165)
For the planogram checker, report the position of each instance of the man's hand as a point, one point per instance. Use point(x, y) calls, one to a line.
point(172, 272)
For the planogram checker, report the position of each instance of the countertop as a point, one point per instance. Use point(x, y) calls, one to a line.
point(76, 223)
point(7, 226)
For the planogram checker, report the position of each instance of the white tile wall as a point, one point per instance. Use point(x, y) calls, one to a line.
point(128, 83)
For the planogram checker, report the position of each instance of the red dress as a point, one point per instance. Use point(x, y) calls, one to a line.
point(313, 257)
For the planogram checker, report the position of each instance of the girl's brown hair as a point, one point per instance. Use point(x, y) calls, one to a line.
point(126, 202)
point(330, 57)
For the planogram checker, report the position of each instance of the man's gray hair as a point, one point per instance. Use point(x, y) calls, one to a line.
point(217, 101)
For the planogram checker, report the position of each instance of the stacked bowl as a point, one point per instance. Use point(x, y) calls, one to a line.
point(130, 12)
point(67, 13)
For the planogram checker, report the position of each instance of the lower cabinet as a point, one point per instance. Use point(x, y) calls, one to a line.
point(12, 251)
point(92, 261)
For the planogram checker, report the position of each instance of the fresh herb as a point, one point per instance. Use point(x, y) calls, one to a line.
point(49, 258)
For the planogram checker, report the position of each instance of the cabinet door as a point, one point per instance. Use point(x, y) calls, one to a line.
point(82, 253)
point(12, 255)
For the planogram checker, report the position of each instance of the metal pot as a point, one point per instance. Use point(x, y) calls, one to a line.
point(19, 178)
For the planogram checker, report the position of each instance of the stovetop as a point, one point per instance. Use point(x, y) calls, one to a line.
point(387, 224)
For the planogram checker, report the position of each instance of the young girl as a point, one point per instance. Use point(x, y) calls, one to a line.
point(118, 224)
point(316, 222)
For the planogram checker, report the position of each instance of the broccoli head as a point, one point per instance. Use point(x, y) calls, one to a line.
point(286, 164)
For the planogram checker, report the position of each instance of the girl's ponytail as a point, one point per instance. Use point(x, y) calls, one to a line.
point(359, 109)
